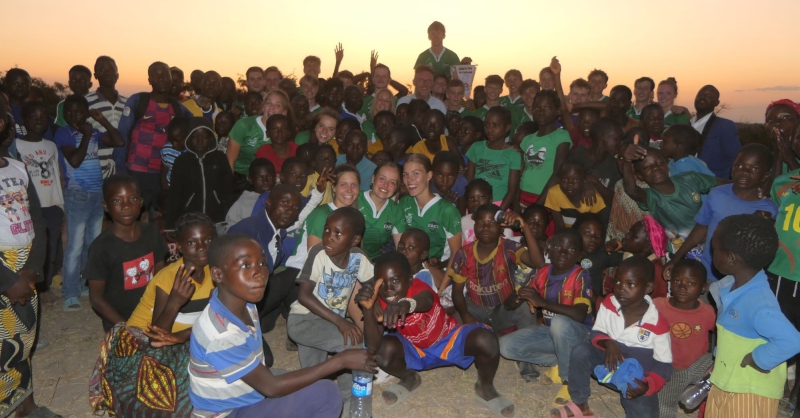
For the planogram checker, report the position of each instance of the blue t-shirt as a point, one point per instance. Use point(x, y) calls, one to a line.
point(460, 186)
point(88, 176)
point(690, 163)
point(168, 156)
point(365, 167)
point(720, 204)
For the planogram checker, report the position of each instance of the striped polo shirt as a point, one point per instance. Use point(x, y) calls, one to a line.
point(87, 176)
point(112, 112)
point(223, 350)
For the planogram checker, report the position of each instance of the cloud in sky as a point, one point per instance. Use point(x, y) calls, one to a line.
point(773, 88)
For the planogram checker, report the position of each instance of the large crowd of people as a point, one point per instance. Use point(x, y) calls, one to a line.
point(580, 234)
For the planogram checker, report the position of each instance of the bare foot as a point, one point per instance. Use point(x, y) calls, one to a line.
point(412, 381)
point(488, 392)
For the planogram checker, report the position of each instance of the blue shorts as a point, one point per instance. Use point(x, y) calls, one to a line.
point(449, 351)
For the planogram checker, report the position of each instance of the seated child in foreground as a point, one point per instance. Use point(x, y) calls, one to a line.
point(628, 325)
point(690, 320)
point(486, 268)
point(422, 336)
point(227, 372)
point(563, 292)
point(317, 320)
point(754, 338)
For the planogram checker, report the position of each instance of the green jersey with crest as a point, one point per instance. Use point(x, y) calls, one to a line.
point(381, 224)
point(439, 219)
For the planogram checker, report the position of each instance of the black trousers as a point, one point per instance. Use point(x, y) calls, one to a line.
point(281, 293)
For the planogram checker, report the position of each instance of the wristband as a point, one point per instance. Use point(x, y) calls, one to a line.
point(411, 302)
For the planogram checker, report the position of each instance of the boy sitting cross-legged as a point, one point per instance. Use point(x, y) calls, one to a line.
point(424, 335)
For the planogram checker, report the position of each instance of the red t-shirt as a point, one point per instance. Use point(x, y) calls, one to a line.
point(267, 152)
point(424, 329)
point(578, 140)
point(688, 331)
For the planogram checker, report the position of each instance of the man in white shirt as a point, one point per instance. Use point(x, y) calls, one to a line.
point(423, 84)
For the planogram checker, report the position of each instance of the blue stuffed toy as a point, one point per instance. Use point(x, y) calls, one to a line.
point(628, 370)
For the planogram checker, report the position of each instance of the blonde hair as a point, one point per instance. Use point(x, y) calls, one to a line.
point(284, 99)
point(374, 110)
point(670, 82)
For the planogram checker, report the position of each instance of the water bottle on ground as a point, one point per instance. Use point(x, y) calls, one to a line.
point(694, 395)
point(361, 402)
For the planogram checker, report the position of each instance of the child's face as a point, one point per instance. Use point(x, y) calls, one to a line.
point(106, 73)
point(436, 36)
point(467, 134)
point(325, 158)
point(243, 273)
point(333, 95)
point(612, 140)
point(346, 81)
point(686, 285)
point(300, 107)
point(780, 117)
point(396, 145)
point(382, 127)
point(592, 234)
point(636, 241)
point(19, 87)
point(487, 229)
point(381, 157)
point(76, 114)
point(283, 209)
point(528, 95)
point(177, 82)
point(294, 175)
point(749, 171)
point(395, 283)
point(544, 111)
point(477, 196)
point(571, 182)
point(36, 122)
point(342, 129)
point(432, 127)
point(279, 132)
point(564, 252)
point(453, 123)
point(262, 179)
point(309, 90)
point(495, 127)
point(618, 103)
point(513, 82)
point(325, 129)
point(353, 99)
point(578, 95)
point(546, 81)
point(722, 259)
point(630, 286)
point(288, 87)
point(796, 143)
point(412, 247)
point(346, 189)
point(223, 125)
point(653, 122)
point(653, 170)
point(177, 137)
point(666, 96)
point(479, 98)
point(356, 147)
point(123, 203)
point(193, 244)
point(385, 182)
point(439, 86)
point(200, 141)
point(585, 121)
point(402, 113)
point(455, 95)
point(338, 236)
point(252, 105)
point(537, 221)
point(493, 92)
point(80, 82)
point(669, 147)
point(444, 177)
point(598, 84)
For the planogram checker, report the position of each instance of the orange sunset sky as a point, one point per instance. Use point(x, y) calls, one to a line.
point(748, 49)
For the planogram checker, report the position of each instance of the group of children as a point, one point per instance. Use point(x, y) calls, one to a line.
point(592, 235)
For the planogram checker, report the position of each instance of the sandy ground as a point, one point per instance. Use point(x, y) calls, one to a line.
point(62, 371)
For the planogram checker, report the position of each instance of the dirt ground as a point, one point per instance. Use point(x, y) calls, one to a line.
point(62, 371)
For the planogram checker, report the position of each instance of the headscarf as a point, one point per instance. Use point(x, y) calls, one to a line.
point(785, 102)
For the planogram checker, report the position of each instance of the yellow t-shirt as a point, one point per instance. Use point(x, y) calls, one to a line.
point(374, 148)
point(558, 201)
point(421, 148)
point(311, 184)
point(143, 314)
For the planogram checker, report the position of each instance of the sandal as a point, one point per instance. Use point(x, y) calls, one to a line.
point(400, 392)
point(71, 305)
point(551, 377)
point(497, 405)
point(562, 412)
point(562, 397)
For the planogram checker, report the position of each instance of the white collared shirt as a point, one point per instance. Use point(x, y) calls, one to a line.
point(700, 124)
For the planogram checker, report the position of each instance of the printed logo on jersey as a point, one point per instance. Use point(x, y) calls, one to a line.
point(586, 263)
point(40, 166)
point(643, 335)
point(409, 217)
point(489, 170)
point(138, 272)
point(695, 197)
point(387, 227)
point(535, 158)
point(433, 226)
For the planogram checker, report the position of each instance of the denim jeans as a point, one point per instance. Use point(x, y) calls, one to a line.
point(546, 345)
point(584, 358)
point(84, 222)
point(499, 318)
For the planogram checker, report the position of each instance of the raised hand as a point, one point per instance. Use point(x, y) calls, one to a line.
point(373, 60)
point(322, 181)
point(634, 151)
point(613, 246)
point(97, 115)
point(555, 66)
point(368, 294)
point(182, 287)
point(339, 52)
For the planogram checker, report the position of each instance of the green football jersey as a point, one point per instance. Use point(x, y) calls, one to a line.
point(381, 224)
point(439, 219)
point(440, 65)
point(788, 226)
point(315, 223)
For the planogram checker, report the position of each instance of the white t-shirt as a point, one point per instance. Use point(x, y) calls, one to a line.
point(41, 161)
point(433, 102)
point(16, 226)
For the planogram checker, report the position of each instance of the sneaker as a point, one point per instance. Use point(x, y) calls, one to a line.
point(71, 305)
point(527, 371)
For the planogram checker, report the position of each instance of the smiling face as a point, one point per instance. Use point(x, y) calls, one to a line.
point(444, 176)
point(413, 248)
point(513, 82)
point(380, 78)
point(629, 285)
point(585, 121)
point(255, 81)
point(346, 189)
point(423, 83)
point(193, 244)
point(334, 97)
point(706, 100)
point(597, 84)
point(666, 96)
point(252, 105)
point(395, 282)
point(106, 73)
point(454, 95)
point(271, 80)
point(618, 102)
point(283, 208)
point(309, 90)
point(325, 129)
point(416, 178)
point(493, 92)
point(749, 171)
point(338, 236)
point(528, 95)
point(439, 86)
point(432, 126)
point(274, 105)
point(643, 92)
point(324, 158)
point(244, 272)
point(383, 101)
point(592, 234)
point(385, 182)
point(578, 95)
point(123, 202)
point(564, 251)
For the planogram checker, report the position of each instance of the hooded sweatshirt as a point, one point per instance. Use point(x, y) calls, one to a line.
point(202, 180)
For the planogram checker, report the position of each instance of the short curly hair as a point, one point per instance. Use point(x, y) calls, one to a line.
point(750, 237)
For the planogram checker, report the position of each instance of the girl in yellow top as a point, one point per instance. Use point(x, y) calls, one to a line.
point(154, 338)
point(433, 137)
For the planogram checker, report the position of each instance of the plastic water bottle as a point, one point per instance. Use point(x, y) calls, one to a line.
point(361, 403)
point(694, 395)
